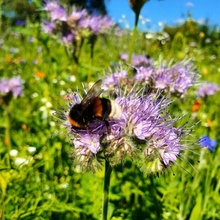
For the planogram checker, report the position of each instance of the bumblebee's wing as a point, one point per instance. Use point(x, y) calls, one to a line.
point(93, 93)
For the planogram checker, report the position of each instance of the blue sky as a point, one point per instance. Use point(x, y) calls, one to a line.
point(157, 12)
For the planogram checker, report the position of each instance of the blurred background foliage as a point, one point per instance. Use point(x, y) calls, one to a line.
point(14, 11)
point(42, 184)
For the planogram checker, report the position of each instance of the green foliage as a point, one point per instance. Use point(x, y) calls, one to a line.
point(47, 186)
point(21, 10)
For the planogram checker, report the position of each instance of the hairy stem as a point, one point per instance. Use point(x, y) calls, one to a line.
point(108, 170)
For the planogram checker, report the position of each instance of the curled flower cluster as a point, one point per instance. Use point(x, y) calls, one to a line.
point(207, 89)
point(144, 133)
point(137, 59)
point(76, 24)
point(176, 79)
point(13, 86)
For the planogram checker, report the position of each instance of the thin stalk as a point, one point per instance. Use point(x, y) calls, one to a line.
point(92, 40)
point(131, 46)
point(89, 76)
point(108, 170)
point(2, 211)
point(8, 136)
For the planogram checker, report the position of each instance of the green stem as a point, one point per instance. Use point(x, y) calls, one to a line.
point(2, 211)
point(89, 75)
point(92, 42)
point(108, 170)
point(1, 17)
point(8, 136)
point(131, 47)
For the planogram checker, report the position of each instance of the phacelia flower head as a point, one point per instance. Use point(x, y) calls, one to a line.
point(12, 85)
point(176, 79)
point(48, 27)
point(207, 89)
point(55, 10)
point(51, 5)
point(87, 143)
point(114, 79)
point(166, 143)
point(137, 60)
point(96, 24)
point(58, 14)
point(206, 141)
point(77, 15)
point(144, 74)
point(68, 38)
point(136, 125)
point(74, 26)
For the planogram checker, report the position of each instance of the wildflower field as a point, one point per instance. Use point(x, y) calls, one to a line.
point(156, 157)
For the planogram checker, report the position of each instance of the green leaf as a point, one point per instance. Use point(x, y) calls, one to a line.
point(197, 210)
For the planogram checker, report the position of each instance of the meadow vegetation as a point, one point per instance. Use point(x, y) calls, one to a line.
point(37, 176)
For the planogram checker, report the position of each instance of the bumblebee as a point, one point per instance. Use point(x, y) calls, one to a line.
point(93, 108)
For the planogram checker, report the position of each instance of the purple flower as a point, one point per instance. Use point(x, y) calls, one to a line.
point(106, 23)
point(51, 5)
point(77, 15)
point(87, 143)
point(67, 39)
point(182, 77)
point(78, 22)
point(140, 60)
point(143, 119)
point(55, 10)
point(20, 22)
point(115, 79)
point(31, 39)
point(175, 79)
point(58, 14)
point(13, 85)
point(141, 115)
point(137, 60)
point(74, 19)
point(161, 78)
point(144, 73)
point(124, 57)
point(48, 27)
point(210, 144)
point(141, 128)
point(207, 89)
point(13, 50)
point(167, 143)
point(91, 24)
point(178, 78)
point(96, 24)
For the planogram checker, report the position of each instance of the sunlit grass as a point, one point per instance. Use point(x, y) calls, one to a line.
point(44, 185)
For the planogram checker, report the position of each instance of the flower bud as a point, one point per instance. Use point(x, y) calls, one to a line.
point(136, 5)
